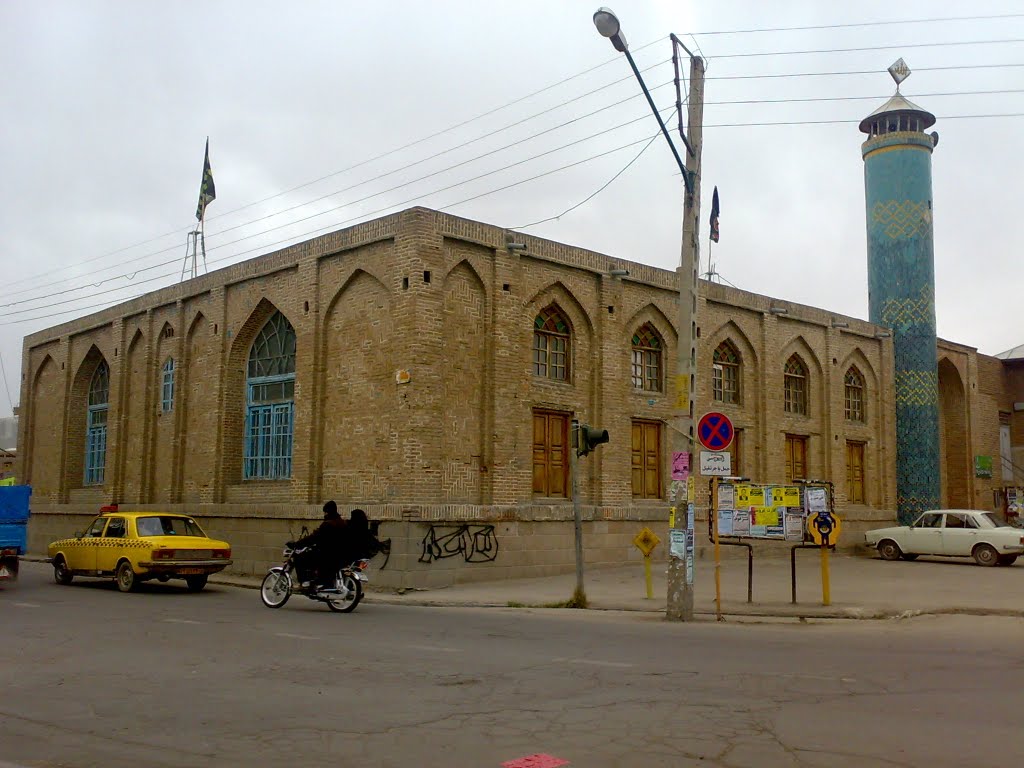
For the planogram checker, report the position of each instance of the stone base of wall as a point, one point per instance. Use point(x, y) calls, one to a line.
point(434, 547)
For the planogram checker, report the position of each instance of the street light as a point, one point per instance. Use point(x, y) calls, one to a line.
point(680, 571)
point(607, 24)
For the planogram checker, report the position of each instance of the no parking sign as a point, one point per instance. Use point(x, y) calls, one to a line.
point(714, 431)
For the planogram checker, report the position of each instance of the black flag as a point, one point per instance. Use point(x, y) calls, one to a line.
point(714, 215)
point(207, 191)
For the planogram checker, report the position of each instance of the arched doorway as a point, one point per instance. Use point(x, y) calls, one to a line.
point(953, 439)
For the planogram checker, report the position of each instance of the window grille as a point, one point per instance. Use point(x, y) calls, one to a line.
point(551, 345)
point(795, 384)
point(647, 359)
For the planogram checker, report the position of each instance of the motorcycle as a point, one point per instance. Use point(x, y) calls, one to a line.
point(342, 596)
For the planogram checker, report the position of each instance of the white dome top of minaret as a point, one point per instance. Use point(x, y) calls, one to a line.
point(898, 113)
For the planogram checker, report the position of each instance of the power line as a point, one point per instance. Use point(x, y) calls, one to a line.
point(315, 232)
point(864, 98)
point(854, 121)
point(359, 184)
point(145, 256)
point(339, 192)
point(900, 46)
point(131, 276)
point(857, 72)
point(381, 156)
point(451, 149)
point(599, 190)
point(397, 206)
point(323, 213)
point(860, 24)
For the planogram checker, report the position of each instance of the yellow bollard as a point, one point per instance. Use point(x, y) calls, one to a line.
point(826, 588)
point(647, 576)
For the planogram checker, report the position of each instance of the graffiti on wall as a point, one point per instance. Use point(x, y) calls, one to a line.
point(476, 543)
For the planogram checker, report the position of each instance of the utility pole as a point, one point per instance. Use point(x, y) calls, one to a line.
point(680, 463)
point(679, 605)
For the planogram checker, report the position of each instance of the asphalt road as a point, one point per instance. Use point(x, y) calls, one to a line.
point(93, 677)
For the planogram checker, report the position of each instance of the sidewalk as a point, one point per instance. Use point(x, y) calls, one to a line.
point(861, 588)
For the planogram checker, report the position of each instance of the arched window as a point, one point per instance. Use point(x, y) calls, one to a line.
point(167, 386)
point(795, 385)
point(854, 385)
point(725, 374)
point(96, 426)
point(270, 402)
point(647, 366)
point(551, 345)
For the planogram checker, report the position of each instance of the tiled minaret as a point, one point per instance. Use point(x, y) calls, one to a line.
point(901, 283)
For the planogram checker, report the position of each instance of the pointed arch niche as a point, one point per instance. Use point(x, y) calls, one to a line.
point(195, 409)
point(464, 383)
point(132, 449)
point(357, 424)
point(47, 432)
point(88, 415)
point(953, 442)
point(259, 399)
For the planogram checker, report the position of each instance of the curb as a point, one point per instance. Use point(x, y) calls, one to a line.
point(848, 614)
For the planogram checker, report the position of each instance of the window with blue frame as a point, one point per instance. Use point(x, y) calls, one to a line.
point(96, 426)
point(167, 390)
point(270, 402)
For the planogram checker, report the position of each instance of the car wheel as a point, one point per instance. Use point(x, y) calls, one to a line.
point(196, 583)
point(126, 580)
point(889, 550)
point(61, 573)
point(986, 555)
point(1007, 559)
point(905, 556)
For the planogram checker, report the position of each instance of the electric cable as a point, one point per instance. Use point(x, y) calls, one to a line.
point(456, 126)
point(397, 206)
point(600, 189)
point(865, 49)
point(850, 25)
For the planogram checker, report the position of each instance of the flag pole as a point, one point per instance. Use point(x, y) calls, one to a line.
point(202, 239)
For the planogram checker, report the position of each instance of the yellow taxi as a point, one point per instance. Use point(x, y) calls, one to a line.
point(133, 547)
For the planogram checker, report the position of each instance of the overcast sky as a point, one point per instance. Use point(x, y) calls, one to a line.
point(107, 106)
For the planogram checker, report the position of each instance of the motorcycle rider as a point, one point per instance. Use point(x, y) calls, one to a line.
point(326, 549)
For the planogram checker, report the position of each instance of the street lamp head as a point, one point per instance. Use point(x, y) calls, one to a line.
point(607, 24)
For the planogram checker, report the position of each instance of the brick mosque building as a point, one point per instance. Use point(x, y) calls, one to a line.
point(417, 367)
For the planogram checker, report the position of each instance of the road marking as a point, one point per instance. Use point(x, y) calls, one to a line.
point(182, 621)
point(594, 663)
point(26, 605)
point(434, 648)
point(296, 637)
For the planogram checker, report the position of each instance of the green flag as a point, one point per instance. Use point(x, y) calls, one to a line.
point(207, 190)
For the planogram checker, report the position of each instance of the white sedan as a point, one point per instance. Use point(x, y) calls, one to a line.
point(951, 533)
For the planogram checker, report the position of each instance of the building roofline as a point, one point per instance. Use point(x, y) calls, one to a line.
point(456, 227)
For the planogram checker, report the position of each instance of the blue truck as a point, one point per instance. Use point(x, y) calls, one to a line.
point(14, 512)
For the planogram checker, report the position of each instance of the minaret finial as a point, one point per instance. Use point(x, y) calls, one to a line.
point(899, 72)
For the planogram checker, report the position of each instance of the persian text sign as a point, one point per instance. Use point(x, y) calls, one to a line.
point(715, 464)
